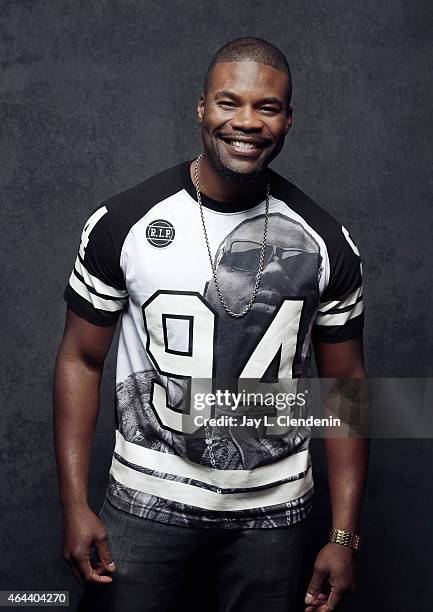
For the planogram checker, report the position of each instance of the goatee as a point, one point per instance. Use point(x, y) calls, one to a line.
point(240, 177)
point(234, 175)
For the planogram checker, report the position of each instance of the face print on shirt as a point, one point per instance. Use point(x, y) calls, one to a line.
point(292, 268)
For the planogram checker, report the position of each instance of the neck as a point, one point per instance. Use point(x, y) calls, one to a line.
point(219, 188)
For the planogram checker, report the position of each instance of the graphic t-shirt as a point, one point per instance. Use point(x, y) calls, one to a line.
point(143, 258)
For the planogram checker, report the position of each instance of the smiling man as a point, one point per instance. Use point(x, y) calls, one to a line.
point(217, 267)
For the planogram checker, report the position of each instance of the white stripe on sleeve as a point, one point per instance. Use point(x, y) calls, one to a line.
point(350, 300)
point(96, 301)
point(96, 283)
point(340, 318)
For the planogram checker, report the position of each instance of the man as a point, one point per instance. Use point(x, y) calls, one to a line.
point(282, 272)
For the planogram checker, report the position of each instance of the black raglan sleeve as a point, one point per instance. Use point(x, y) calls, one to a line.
point(96, 289)
point(340, 315)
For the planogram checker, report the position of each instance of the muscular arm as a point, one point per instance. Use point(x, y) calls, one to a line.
point(77, 378)
point(347, 458)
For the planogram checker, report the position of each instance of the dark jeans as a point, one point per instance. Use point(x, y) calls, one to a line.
point(166, 568)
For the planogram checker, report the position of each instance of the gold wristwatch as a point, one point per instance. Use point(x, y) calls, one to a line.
point(339, 536)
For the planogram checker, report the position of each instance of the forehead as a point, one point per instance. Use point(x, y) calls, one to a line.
point(282, 231)
point(248, 79)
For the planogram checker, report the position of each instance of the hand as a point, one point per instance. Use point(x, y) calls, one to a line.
point(83, 529)
point(337, 563)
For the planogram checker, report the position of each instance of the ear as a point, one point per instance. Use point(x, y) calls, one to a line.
point(288, 123)
point(201, 107)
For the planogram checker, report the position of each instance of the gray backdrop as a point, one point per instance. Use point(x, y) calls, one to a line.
point(97, 96)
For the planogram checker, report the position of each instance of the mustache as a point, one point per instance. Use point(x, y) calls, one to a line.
point(240, 135)
point(266, 296)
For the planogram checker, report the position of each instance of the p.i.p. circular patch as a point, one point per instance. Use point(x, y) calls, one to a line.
point(160, 233)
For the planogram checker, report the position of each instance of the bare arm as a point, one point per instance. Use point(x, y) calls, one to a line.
point(77, 378)
point(347, 460)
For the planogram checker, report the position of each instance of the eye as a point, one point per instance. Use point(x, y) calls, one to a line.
point(270, 109)
point(226, 104)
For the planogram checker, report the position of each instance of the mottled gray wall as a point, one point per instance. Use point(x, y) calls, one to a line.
point(95, 97)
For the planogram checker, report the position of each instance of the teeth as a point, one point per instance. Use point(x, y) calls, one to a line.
point(243, 145)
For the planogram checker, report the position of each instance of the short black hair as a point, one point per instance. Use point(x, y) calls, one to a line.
point(250, 49)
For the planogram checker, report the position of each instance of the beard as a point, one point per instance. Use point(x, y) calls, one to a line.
point(237, 176)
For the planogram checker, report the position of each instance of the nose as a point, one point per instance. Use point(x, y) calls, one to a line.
point(247, 119)
point(273, 273)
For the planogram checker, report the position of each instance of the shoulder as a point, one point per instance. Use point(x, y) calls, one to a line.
point(315, 215)
point(110, 222)
point(127, 207)
point(112, 219)
point(331, 230)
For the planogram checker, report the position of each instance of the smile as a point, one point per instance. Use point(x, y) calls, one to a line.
point(244, 148)
point(239, 144)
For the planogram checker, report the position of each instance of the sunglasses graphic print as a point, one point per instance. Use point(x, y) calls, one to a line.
point(244, 255)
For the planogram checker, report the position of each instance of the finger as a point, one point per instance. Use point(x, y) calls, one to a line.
point(76, 572)
point(315, 586)
point(317, 604)
point(74, 569)
point(334, 597)
point(104, 554)
point(319, 607)
point(319, 599)
point(88, 573)
point(100, 569)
